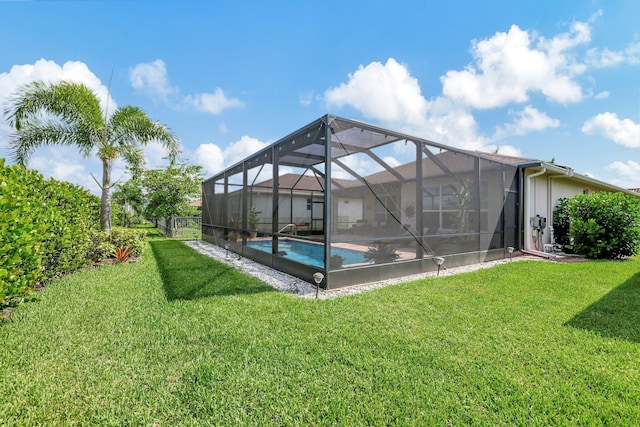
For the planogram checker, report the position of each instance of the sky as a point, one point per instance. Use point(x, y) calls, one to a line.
point(550, 80)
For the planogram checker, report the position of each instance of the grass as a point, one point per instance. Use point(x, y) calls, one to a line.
point(188, 233)
point(179, 339)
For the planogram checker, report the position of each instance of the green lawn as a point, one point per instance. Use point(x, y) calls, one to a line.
point(179, 339)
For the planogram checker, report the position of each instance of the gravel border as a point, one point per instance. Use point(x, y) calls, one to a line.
point(293, 285)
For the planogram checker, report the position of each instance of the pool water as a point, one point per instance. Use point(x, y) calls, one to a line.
point(308, 253)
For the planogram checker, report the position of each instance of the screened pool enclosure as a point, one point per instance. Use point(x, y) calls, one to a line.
point(360, 203)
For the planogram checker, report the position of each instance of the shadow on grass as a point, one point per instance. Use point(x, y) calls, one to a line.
point(616, 314)
point(189, 275)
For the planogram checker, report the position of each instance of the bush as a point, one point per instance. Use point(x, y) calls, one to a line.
point(44, 230)
point(100, 248)
point(21, 231)
point(128, 238)
point(562, 222)
point(137, 220)
point(71, 213)
point(605, 225)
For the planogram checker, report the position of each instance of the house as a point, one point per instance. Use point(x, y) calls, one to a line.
point(360, 203)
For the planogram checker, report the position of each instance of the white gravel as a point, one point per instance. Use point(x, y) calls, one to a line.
point(287, 283)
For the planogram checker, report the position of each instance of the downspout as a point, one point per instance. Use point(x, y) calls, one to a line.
point(527, 204)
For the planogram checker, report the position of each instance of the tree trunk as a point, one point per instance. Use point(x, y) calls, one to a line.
point(105, 205)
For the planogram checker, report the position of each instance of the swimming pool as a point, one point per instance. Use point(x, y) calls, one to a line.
point(308, 253)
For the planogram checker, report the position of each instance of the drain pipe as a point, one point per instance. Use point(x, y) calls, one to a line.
point(538, 253)
point(527, 205)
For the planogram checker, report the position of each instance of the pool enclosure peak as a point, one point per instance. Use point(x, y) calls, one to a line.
point(361, 203)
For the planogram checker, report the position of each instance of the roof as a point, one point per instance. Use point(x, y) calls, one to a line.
point(553, 169)
point(511, 160)
point(307, 147)
point(293, 181)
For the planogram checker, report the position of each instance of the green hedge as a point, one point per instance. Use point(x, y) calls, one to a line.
point(605, 225)
point(45, 228)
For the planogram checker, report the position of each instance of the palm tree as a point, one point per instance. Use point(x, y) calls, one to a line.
point(68, 113)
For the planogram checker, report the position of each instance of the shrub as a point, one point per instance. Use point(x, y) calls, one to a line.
point(21, 231)
point(136, 220)
point(562, 222)
point(71, 212)
point(605, 225)
point(128, 238)
point(100, 248)
point(45, 228)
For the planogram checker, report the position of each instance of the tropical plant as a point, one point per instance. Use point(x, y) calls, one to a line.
point(336, 261)
point(122, 254)
point(381, 253)
point(130, 197)
point(253, 218)
point(69, 113)
point(409, 210)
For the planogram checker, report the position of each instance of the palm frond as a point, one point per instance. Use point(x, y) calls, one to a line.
point(53, 107)
point(71, 102)
point(133, 156)
point(131, 126)
point(34, 135)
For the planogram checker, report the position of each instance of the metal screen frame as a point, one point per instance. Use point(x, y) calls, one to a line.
point(351, 187)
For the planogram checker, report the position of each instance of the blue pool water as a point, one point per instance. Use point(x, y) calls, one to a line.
point(308, 253)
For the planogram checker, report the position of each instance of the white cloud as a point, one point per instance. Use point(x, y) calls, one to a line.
point(212, 103)
point(152, 79)
point(213, 159)
point(603, 58)
point(630, 169)
point(621, 131)
point(389, 94)
point(505, 150)
point(306, 98)
point(509, 66)
point(241, 149)
point(392, 161)
point(49, 71)
point(627, 173)
point(155, 155)
point(381, 91)
point(527, 120)
point(210, 157)
point(360, 163)
point(602, 95)
point(64, 163)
